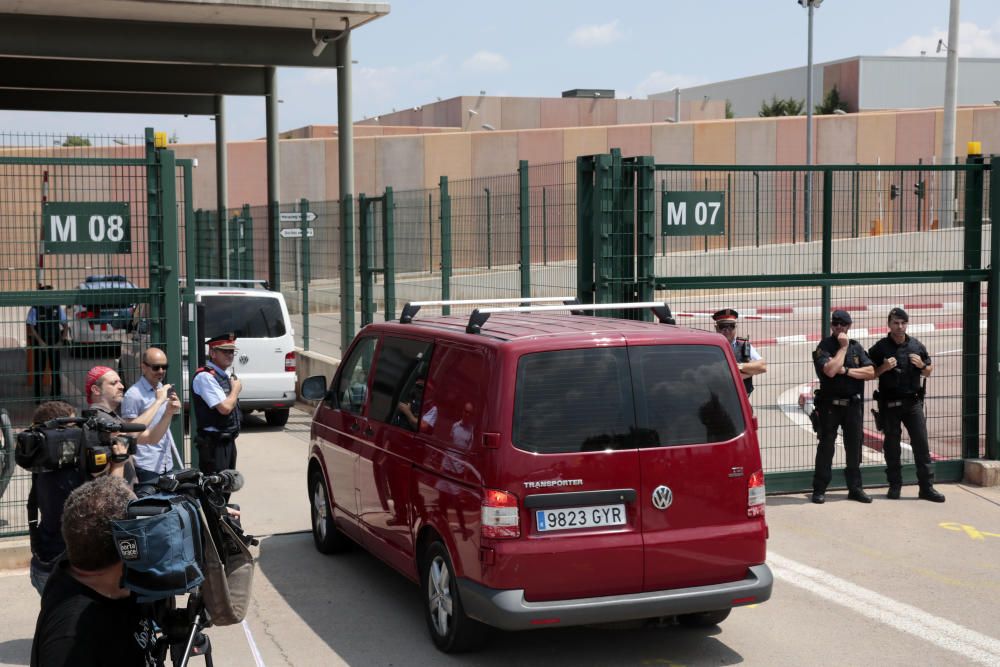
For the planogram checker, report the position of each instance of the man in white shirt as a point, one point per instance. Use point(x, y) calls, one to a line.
point(155, 458)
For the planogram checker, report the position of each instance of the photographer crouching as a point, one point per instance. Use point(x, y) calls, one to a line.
point(87, 619)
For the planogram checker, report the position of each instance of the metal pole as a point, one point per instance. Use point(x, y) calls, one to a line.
point(807, 198)
point(304, 242)
point(489, 232)
point(947, 200)
point(273, 182)
point(221, 181)
point(677, 105)
point(345, 158)
point(545, 231)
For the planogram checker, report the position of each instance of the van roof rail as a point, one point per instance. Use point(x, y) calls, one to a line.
point(230, 282)
point(412, 307)
point(479, 316)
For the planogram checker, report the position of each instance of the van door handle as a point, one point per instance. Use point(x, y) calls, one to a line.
point(355, 426)
point(369, 431)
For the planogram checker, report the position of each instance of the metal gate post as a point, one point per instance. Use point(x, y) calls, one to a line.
point(645, 186)
point(170, 275)
point(306, 268)
point(993, 320)
point(193, 247)
point(603, 229)
point(827, 248)
point(364, 254)
point(246, 246)
point(524, 218)
point(585, 200)
point(971, 300)
point(389, 254)
point(346, 272)
point(154, 207)
point(445, 244)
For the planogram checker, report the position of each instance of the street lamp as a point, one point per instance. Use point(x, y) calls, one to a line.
point(807, 195)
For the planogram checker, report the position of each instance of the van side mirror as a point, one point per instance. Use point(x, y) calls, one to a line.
point(314, 388)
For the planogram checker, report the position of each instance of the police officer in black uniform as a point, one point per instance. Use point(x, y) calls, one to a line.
point(47, 328)
point(901, 363)
point(842, 366)
point(748, 359)
point(216, 406)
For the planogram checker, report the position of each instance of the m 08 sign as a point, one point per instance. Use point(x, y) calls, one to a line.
point(77, 228)
point(696, 213)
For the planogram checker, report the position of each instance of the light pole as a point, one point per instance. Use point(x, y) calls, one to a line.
point(807, 195)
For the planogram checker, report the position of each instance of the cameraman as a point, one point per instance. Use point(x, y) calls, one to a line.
point(49, 490)
point(87, 619)
point(105, 392)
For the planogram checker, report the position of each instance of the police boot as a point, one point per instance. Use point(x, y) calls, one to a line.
point(893, 492)
point(929, 493)
point(859, 495)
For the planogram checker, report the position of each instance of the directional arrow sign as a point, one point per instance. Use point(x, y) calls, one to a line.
point(296, 233)
point(296, 217)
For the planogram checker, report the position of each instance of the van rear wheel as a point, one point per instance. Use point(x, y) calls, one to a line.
point(451, 630)
point(704, 619)
point(326, 535)
point(277, 417)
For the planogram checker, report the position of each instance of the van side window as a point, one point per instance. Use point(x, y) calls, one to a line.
point(457, 387)
point(246, 316)
point(398, 386)
point(573, 401)
point(352, 385)
point(685, 394)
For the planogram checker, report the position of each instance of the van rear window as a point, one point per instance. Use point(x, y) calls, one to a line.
point(246, 316)
point(573, 401)
point(685, 394)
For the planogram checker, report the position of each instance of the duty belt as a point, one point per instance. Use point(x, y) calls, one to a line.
point(899, 402)
point(840, 402)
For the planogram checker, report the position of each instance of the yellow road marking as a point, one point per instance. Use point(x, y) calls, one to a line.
point(971, 531)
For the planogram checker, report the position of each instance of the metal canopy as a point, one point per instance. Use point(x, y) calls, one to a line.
point(179, 57)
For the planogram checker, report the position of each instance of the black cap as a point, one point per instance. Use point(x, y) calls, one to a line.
point(899, 313)
point(226, 341)
point(725, 315)
point(842, 315)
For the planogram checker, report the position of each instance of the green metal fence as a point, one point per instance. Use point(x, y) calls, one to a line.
point(91, 228)
point(877, 241)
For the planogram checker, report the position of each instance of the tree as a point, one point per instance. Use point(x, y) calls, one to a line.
point(76, 140)
point(786, 107)
point(729, 108)
point(831, 102)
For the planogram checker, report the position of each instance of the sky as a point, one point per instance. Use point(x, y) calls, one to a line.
point(429, 49)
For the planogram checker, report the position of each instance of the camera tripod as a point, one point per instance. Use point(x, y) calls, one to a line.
point(182, 632)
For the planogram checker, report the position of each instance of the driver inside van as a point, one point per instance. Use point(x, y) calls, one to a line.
point(408, 412)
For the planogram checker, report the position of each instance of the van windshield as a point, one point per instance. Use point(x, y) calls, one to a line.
point(625, 398)
point(246, 316)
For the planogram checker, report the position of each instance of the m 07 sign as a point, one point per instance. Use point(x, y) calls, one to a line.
point(77, 228)
point(696, 213)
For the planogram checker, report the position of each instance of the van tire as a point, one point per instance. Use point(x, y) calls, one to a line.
point(277, 417)
point(452, 632)
point(704, 619)
point(326, 535)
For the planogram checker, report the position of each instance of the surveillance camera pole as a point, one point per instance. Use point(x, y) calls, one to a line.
point(947, 199)
point(807, 195)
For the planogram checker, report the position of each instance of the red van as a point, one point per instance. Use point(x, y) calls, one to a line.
point(534, 468)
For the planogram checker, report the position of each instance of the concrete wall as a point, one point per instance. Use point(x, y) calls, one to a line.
point(418, 161)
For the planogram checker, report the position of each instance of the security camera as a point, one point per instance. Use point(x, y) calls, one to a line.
point(320, 46)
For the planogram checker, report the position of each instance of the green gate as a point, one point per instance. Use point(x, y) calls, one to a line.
point(94, 223)
point(646, 233)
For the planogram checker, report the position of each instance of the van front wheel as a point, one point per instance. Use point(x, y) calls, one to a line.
point(451, 630)
point(328, 538)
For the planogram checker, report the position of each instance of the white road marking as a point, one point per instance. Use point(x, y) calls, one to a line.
point(253, 645)
point(936, 630)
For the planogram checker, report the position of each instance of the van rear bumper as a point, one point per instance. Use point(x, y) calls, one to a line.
point(508, 610)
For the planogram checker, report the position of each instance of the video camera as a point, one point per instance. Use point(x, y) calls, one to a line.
point(179, 537)
point(75, 442)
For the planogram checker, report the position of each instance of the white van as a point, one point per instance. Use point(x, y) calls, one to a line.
point(265, 356)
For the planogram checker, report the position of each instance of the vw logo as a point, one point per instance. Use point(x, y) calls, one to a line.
point(244, 359)
point(662, 497)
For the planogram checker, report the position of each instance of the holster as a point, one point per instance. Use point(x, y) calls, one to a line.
point(877, 414)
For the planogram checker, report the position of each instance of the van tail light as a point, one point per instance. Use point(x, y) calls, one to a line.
point(755, 494)
point(290, 362)
point(501, 518)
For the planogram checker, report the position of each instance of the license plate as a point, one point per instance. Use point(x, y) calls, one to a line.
point(596, 516)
